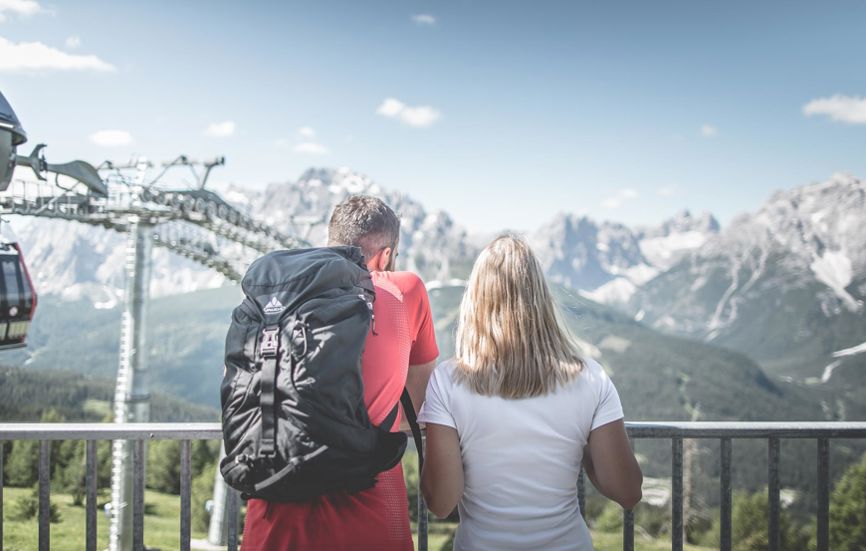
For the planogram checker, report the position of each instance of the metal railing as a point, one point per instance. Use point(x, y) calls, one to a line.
point(138, 433)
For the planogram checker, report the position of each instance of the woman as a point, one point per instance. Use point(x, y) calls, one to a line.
point(513, 415)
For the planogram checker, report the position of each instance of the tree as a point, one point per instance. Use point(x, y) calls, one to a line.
point(23, 463)
point(163, 469)
point(202, 491)
point(26, 507)
point(749, 525)
point(848, 510)
point(69, 472)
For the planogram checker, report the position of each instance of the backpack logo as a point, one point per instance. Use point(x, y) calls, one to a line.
point(274, 306)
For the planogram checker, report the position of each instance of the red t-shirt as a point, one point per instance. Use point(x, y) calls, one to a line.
point(375, 519)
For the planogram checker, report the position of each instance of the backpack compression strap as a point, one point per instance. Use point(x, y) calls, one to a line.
point(409, 411)
point(269, 349)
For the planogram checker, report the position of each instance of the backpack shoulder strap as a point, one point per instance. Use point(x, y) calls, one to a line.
point(409, 411)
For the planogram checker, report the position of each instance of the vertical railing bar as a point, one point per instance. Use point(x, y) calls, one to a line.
point(581, 493)
point(823, 494)
point(628, 520)
point(422, 519)
point(627, 530)
point(45, 495)
point(725, 496)
point(138, 495)
point(677, 493)
point(90, 481)
point(1, 494)
point(232, 518)
point(185, 483)
point(773, 491)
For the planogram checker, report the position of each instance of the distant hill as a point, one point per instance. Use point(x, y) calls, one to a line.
point(26, 393)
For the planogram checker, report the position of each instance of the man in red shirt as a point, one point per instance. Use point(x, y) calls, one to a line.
point(400, 351)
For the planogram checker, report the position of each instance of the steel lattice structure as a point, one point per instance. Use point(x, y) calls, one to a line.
point(190, 221)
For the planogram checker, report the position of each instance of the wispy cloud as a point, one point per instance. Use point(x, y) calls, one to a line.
point(621, 197)
point(36, 56)
point(19, 7)
point(847, 109)
point(666, 191)
point(424, 19)
point(311, 148)
point(111, 138)
point(220, 129)
point(419, 117)
point(73, 42)
point(305, 142)
point(708, 130)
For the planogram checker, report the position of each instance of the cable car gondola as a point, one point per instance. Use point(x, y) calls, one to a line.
point(17, 295)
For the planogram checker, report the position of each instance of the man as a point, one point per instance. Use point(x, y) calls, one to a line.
point(400, 351)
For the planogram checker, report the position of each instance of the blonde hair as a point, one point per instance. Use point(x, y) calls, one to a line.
point(511, 341)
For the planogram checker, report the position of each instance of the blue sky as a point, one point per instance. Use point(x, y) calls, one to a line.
point(503, 113)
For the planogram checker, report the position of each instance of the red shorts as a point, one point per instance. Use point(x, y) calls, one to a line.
point(373, 520)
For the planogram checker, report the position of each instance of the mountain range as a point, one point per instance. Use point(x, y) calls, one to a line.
point(784, 284)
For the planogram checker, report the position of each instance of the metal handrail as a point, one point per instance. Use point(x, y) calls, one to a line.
point(773, 432)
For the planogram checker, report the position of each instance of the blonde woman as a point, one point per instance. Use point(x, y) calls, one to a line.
point(511, 418)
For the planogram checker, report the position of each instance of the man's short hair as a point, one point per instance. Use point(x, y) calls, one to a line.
point(366, 222)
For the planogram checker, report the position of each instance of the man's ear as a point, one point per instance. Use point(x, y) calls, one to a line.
point(381, 261)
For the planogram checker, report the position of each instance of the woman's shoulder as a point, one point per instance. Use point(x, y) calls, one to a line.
point(592, 375)
point(444, 372)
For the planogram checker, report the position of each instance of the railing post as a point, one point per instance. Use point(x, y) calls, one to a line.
point(677, 493)
point(185, 485)
point(773, 491)
point(581, 493)
point(45, 495)
point(725, 496)
point(628, 521)
point(232, 512)
point(627, 530)
point(138, 495)
point(1, 494)
point(824, 494)
point(422, 519)
point(90, 483)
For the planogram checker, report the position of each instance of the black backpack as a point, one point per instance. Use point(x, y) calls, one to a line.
point(294, 421)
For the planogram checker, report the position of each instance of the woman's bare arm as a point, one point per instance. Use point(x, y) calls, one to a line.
point(442, 476)
point(611, 465)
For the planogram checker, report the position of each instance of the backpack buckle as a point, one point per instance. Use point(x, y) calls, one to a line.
point(270, 342)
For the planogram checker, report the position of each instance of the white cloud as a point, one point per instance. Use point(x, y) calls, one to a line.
point(708, 130)
point(19, 7)
point(391, 107)
point(419, 117)
point(666, 191)
point(111, 138)
point(36, 56)
point(847, 109)
point(73, 42)
point(424, 19)
point(220, 129)
point(306, 131)
point(311, 148)
point(621, 197)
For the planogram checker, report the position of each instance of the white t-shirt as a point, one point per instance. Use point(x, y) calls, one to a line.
point(521, 458)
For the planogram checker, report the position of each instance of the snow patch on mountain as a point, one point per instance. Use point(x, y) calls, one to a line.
point(854, 350)
point(834, 270)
